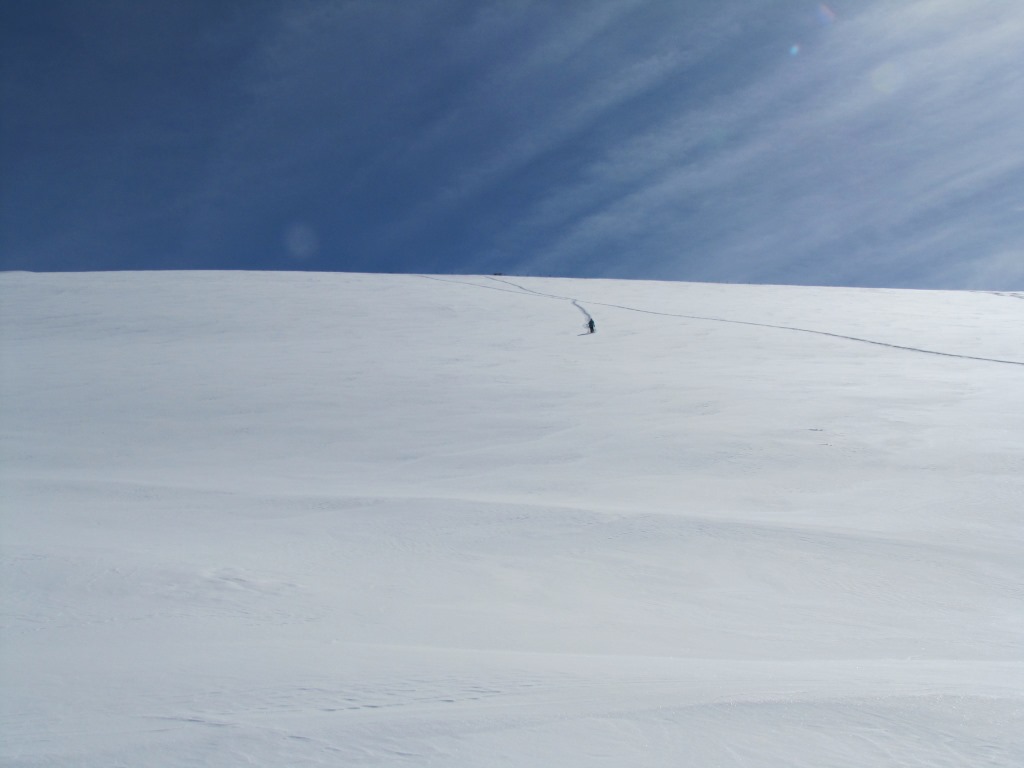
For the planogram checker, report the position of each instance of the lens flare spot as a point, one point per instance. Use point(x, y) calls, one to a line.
point(887, 78)
point(794, 50)
point(301, 241)
point(825, 14)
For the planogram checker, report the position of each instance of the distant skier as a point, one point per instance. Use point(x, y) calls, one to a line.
point(590, 325)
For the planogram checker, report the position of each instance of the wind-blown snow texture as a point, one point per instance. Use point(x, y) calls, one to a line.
point(301, 519)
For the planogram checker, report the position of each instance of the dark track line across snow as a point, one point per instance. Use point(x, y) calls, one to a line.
point(1007, 294)
point(581, 309)
point(706, 318)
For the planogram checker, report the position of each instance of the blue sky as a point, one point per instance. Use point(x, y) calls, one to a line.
point(858, 142)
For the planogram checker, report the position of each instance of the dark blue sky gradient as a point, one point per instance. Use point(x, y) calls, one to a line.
point(857, 142)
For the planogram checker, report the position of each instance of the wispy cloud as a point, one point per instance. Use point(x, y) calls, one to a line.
point(884, 154)
point(855, 142)
point(802, 143)
point(439, 118)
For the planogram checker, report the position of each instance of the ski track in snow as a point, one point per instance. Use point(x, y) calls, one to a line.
point(1005, 294)
point(738, 322)
point(581, 309)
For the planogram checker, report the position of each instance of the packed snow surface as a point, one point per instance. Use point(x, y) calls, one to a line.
point(366, 520)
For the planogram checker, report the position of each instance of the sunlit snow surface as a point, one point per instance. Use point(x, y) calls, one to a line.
point(354, 520)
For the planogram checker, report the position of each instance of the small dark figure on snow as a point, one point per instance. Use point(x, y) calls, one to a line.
point(590, 325)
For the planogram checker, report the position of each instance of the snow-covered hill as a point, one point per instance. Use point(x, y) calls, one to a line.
point(354, 520)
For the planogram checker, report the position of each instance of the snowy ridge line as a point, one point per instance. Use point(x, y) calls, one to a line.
point(748, 322)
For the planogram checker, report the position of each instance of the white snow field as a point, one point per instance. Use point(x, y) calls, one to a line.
point(310, 519)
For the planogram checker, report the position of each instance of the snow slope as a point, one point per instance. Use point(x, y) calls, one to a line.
point(354, 520)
